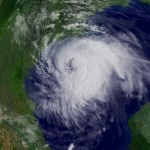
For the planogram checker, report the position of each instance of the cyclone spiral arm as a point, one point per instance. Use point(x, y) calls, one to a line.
point(80, 85)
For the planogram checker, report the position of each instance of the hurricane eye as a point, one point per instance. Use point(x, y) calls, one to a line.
point(69, 65)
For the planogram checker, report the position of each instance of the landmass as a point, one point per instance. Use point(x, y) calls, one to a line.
point(25, 28)
point(146, 1)
point(140, 128)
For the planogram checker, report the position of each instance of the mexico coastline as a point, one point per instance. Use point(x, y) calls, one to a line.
point(126, 26)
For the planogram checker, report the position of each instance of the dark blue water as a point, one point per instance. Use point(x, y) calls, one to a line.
point(134, 19)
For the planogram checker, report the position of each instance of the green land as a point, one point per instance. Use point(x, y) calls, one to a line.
point(26, 27)
point(140, 128)
point(146, 1)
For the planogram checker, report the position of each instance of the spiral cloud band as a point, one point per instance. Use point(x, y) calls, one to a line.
point(76, 71)
point(81, 85)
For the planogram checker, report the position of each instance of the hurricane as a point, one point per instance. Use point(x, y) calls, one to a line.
point(81, 85)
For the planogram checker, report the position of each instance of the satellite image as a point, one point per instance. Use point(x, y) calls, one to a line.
point(75, 75)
